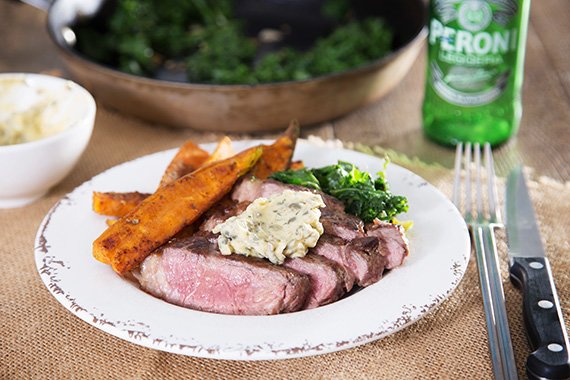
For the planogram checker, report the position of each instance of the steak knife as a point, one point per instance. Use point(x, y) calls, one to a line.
point(530, 270)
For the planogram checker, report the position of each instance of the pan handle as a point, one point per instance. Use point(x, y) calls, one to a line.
point(39, 4)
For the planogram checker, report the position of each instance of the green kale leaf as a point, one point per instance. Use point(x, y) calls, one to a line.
point(361, 195)
point(302, 177)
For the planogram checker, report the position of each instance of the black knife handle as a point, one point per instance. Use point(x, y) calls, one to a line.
point(543, 319)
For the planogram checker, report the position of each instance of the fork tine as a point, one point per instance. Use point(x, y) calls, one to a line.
point(491, 185)
point(457, 176)
point(478, 182)
point(467, 165)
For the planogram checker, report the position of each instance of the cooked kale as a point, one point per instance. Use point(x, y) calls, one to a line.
point(302, 177)
point(361, 196)
point(222, 55)
point(141, 36)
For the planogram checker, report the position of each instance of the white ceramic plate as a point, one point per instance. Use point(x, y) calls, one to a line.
point(92, 291)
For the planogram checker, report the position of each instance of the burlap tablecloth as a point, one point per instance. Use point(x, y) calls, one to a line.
point(40, 339)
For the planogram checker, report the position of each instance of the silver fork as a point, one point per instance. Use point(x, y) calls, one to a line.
point(482, 222)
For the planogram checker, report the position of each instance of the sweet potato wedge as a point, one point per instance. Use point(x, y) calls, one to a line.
point(116, 204)
point(223, 150)
point(188, 158)
point(297, 165)
point(277, 156)
point(128, 242)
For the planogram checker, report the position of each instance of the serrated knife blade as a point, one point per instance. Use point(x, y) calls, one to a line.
point(530, 270)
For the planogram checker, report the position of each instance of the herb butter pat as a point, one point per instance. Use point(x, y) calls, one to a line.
point(281, 226)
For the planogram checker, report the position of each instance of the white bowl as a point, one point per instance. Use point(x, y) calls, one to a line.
point(29, 169)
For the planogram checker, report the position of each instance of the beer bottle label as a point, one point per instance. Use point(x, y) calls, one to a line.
point(474, 45)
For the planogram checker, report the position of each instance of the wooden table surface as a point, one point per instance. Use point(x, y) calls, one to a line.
point(395, 121)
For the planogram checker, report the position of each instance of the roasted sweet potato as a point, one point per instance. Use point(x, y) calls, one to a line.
point(297, 165)
point(116, 204)
point(128, 242)
point(277, 156)
point(188, 158)
point(223, 150)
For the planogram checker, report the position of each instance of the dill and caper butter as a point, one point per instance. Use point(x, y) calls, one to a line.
point(277, 227)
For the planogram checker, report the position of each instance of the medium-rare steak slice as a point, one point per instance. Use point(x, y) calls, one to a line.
point(393, 242)
point(249, 189)
point(333, 248)
point(359, 257)
point(192, 273)
point(327, 278)
point(339, 223)
point(368, 263)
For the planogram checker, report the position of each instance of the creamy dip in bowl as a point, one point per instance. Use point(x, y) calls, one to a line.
point(45, 125)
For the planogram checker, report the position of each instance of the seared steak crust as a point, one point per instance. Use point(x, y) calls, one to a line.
point(360, 258)
point(327, 278)
point(332, 248)
point(368, 263)
point(340, 224)
point(393, 243)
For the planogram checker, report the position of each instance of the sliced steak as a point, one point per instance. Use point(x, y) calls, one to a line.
point(340, 224)
point(192, 273)
point(393, 242)
point(333, 248)
point(360, 258)
point(222, 212)
point(368, 263)
point(327, 278)
point(249, 189)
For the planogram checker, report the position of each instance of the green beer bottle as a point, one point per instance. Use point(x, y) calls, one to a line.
point(475, 70)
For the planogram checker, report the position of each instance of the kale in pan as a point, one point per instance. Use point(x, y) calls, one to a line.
point(142, 36)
